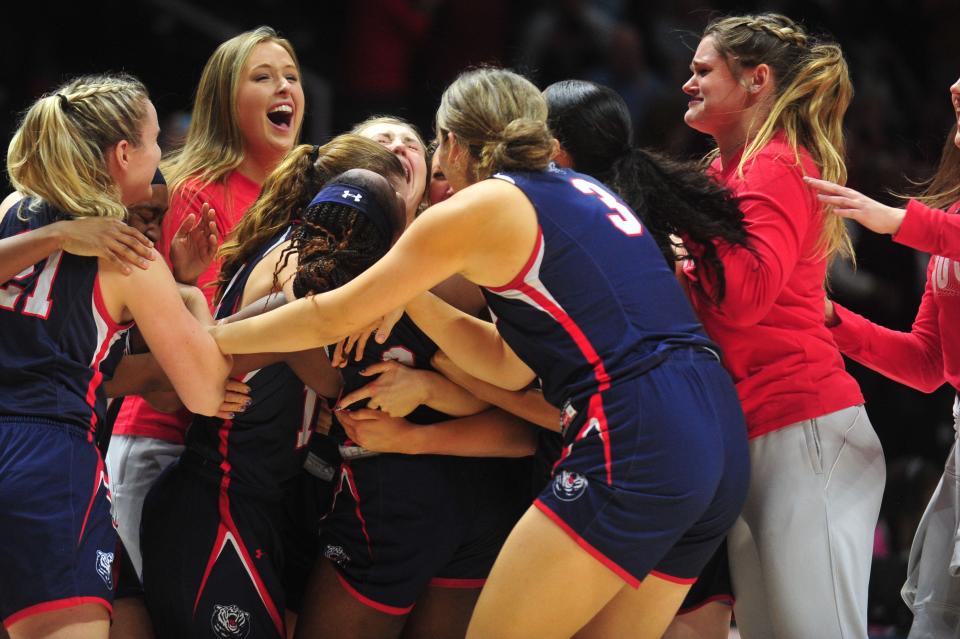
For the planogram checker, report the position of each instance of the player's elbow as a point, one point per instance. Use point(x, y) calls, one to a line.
point(204, 399)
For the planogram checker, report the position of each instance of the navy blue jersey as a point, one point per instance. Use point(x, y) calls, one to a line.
point(595, 302)
point(263, 447)
point(55, 332)
point(408, 345)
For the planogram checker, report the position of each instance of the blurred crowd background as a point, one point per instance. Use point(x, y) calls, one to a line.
point(396, 56)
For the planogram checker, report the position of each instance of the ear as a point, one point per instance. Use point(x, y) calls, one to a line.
point(454, 150)
point(561, 157)
point(760, 79)
point(118, 159)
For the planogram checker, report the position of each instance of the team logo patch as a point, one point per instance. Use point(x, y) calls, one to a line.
point(568, 485)
point(230, 621)
point(105, 567)
point(336, 554)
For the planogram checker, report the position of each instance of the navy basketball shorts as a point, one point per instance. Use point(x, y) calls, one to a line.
point(401, 523)
point(654, 470)
point(306, 501)
point(57, 539)
point(212, 558)
point(713, 584)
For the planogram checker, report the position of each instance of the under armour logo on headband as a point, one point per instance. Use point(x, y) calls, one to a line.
point(356, 196)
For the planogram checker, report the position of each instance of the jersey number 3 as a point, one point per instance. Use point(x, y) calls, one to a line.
point(38, 302)
point(622, 217)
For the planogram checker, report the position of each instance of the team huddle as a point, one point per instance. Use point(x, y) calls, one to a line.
point(527, 381)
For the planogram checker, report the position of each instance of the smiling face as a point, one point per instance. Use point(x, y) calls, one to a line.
point(718, 97)
point(269, 101)
point(403, 141)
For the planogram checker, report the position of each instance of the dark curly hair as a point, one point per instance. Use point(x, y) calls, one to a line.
point(672, 198)
point(336, 242)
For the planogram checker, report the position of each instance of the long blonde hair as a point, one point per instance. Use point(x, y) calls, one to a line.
point(290, 187)
point(58, 152)
point(214, 144)
point(500, 117)
point(813, 91)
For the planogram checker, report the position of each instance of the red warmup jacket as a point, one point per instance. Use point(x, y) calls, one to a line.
point(230, 201)
point(782, 358)
point(925, 357)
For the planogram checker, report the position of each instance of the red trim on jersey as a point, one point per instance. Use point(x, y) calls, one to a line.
point(580, 339)
point(367, 601)
point(444, 582)
point(101, 307)
point(97, 478)
point(632, 581)
point(103, 349)
point(226, 527)
point(727, 600)
point(684, 581)
point(347, 474)
point(57, 604)
point(518, 280)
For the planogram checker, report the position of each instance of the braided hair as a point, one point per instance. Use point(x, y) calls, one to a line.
point(336, 242)
point(811, 96)
point(58, 153)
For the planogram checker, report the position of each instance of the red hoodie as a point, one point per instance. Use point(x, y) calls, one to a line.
point(923, 358)
point(230, 202)
point(785, 364)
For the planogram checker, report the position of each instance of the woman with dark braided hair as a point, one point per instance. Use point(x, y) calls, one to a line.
point(773, 99)
point(410, 538)
point(221, 510)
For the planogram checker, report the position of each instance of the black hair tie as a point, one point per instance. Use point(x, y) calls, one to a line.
point(314, 153)
point(64, 102)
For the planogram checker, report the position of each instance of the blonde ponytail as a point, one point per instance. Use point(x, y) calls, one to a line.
point(58, 152)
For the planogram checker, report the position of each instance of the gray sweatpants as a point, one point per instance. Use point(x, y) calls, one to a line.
point(932, 589)
point(800, 552)
point(133, 465)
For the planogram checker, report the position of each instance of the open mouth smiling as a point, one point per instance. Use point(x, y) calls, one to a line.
point(281, 116)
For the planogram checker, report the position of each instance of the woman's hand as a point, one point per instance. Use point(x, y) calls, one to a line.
point(194, 245)
point(852, 204)
point(357, 342)
point(397, 391)
point(106, 237)
point(379, 432)
point(236, 399)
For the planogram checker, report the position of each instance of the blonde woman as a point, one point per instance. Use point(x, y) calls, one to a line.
point(559, 257)
point(773, 99)
point(86, 150)
point(246, 117)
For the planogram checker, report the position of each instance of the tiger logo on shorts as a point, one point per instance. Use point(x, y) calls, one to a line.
point(337, 555)
point(569, 485)
point(105, 567)
point(230, 621)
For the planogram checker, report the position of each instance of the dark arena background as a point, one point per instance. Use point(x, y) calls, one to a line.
point(396, 56)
